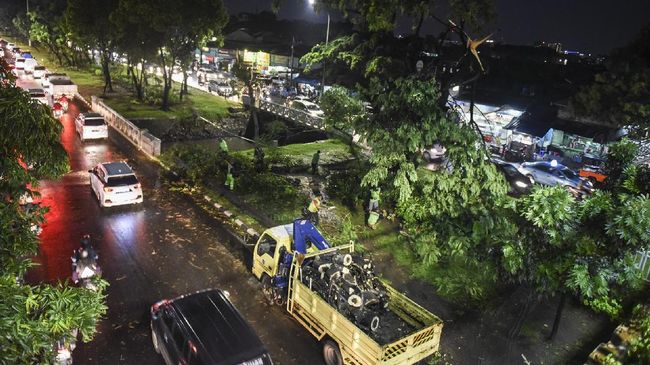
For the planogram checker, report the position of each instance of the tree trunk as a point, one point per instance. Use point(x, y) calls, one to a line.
point(254, 117)
point(558, 317)
point(166, 80)
point(108, 83)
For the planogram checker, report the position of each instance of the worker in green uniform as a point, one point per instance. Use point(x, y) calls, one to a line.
point(230, 179)
point(314, 163)
point(223, 146)
point(373, 207)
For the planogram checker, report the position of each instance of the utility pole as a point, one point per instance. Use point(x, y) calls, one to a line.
point(293, 40)
point(327, 38)
point(29, 39)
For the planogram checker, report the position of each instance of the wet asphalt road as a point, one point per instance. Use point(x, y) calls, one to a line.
point(161, 249)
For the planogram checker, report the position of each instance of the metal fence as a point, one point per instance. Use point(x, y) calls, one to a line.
point(140, 138)
point(294, 115)
point(642, 262)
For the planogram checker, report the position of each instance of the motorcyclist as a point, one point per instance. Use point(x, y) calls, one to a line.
point(87, 247)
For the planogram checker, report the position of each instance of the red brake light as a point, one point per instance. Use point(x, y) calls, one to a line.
point(157, 306)
point(107, 189)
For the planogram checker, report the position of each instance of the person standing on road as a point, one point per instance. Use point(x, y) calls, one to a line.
point(223, 146)
point(314, 163)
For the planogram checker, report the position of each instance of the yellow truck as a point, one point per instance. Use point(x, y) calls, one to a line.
point(281, 257)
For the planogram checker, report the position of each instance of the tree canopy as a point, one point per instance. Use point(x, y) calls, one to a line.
point(621, 94)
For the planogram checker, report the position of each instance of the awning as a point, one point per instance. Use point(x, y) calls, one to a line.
point(537, 121)
point(303, 80)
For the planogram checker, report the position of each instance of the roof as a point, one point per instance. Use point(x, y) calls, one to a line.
point(92, 115)
point(117, 168)
point(538, 120)
point(218, 327)
point(282, 232)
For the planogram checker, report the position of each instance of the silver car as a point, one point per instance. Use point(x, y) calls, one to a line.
point(552, 173)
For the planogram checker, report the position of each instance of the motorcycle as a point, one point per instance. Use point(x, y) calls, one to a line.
point(63, 349)
point(84, 269)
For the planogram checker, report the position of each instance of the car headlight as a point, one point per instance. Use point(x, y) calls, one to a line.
point(521, 184)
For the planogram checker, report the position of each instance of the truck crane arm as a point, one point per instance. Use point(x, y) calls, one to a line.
point(304, 232)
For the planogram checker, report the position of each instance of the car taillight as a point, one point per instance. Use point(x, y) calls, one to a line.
point(107, 189)
point(157, 306)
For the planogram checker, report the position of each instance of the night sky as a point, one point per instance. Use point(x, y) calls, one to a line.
point(594, 26)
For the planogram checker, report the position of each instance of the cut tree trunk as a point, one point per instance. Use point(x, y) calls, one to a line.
point(558, 317)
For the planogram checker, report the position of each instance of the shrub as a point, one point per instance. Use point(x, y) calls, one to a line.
point(345, 185)
point(193, 162)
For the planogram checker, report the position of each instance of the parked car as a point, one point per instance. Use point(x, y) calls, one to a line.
point(551, 173)
point(29, 65)
point(519, 183)
point(26, 54)
point(39, 72)
point(114, 183)
point(221, 87)
point(91, 126)
point(39, 94)
point(592, 169)
point(10, 46)
point(307, 107)
point(205, 328)
point(435, 154)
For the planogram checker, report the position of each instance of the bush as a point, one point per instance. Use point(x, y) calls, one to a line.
point(345, 186)
point(193, 162)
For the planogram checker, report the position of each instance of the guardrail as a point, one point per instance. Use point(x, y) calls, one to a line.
point(140, 138)
point(642, 263)
point(291, 114)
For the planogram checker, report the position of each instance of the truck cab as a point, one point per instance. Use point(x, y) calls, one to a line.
point(275, 250)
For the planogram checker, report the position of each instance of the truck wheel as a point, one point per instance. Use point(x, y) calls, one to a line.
point(332, 353)
point(268, 290)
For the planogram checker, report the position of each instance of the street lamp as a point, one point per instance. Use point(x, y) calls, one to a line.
point(327, 38)
point(29, 39)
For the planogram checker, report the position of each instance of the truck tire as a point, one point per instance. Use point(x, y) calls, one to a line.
point(332, 353)
point(267, 290)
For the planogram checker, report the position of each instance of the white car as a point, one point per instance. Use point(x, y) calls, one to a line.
point(39, 94)
point(434, 154)
point(29, 65)
point(91, 126)
point(10, 46)
point(45, 81)
point(114, 183)
point(39, 72)
point(20, 64)
point(221, 87)
point(307, 107)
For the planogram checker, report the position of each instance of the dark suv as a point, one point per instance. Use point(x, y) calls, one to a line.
point(204, 328)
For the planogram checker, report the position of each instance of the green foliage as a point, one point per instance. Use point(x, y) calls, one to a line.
point(193, 162)
point(32, 318)
point(621, 95)
point(620, 156)
point(345, 185)
point(342, 111)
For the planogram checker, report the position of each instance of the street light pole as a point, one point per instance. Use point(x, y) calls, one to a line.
point(327, 38)
point(29, 39)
